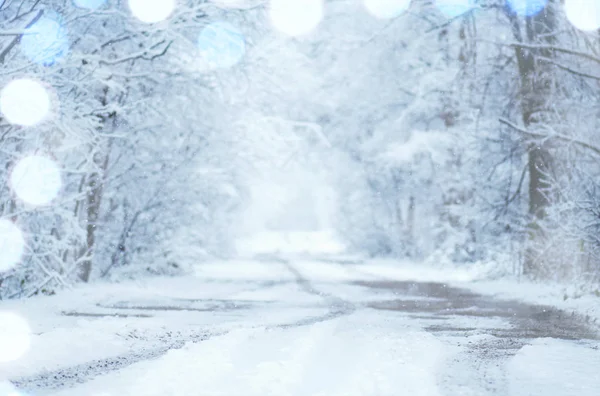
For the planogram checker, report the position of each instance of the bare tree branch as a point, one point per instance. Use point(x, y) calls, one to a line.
point(568, 139)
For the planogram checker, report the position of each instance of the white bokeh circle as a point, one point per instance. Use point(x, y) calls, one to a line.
point(36, 180)
point(152, 11)
point(24, 102)
point(15, 336)
point(12, 245)
point(386, 9)
point(294, 17)
point(583, 14)
point(221, 45)
point(47, 40)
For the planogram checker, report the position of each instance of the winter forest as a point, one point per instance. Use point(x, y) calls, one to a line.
point(145, 136)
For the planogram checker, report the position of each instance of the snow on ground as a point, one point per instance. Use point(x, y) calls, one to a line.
point(48, 350)
point(265, 333)
point(66, 329)
point(50, 329)
point(550, 367)
point(366, 353)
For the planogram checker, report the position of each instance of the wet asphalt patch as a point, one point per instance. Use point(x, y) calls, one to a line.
point(527, 321)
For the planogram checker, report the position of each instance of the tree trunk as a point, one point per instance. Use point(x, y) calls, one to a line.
point(95, 189)
point(536, 80)
point(95, 185)
point(93, 200)
point(410, 221)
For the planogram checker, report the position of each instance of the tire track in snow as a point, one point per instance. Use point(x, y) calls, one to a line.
point(479, 368)
point(78, 374)
point(81, 373)
point(337, 306)
point(68, 377)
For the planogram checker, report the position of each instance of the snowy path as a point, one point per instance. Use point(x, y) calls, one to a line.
point(300, 327)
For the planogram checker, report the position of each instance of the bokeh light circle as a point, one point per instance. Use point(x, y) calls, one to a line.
point(221, 45)
point(24, 102)
point(583, 14)
point(294, 17)
point(152, 11)
point(386, 9)
point(12, 245)
point(89, 4)
point(36, 180)
point(46, 41)
point(526, 8)
point(454, 8)
point(15, 336)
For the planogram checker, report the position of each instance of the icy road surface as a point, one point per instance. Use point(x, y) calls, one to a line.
point(300, 327)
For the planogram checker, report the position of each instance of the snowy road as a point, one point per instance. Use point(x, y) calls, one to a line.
point(300, 327)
